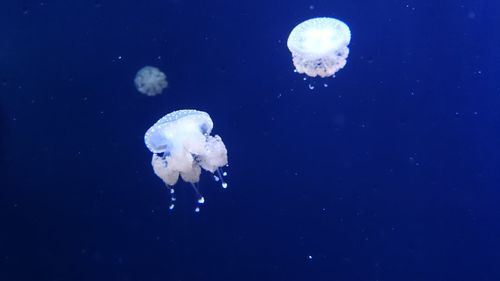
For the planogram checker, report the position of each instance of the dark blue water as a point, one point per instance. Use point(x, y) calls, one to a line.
point(389, 173)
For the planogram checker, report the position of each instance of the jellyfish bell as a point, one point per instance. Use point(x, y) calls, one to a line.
point(182, 146)
point(150, 81)
point(319, 46)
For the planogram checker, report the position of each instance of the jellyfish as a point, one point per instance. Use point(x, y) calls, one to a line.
point(319, 46)
point(150, 81)
point(182, 146)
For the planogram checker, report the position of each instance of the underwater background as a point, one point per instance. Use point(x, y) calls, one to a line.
point(389, 172)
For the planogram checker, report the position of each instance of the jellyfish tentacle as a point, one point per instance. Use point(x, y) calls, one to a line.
point(200, 197)
point(172, 197)
point(223, 183)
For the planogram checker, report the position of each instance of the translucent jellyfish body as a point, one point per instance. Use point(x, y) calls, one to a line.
point(150, 81)
point(182, 146)
point(319, 46)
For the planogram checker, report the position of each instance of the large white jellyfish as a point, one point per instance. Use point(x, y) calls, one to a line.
point(182, 145)
point(319, 46)
point(150, 81)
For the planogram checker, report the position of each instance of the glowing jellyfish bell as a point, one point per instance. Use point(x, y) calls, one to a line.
point(319, 46)
point(182, 146)
point(150, 81)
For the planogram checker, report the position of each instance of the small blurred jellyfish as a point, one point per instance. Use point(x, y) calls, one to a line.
point(150, 81)
point(182, 145)
point(319, 46)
